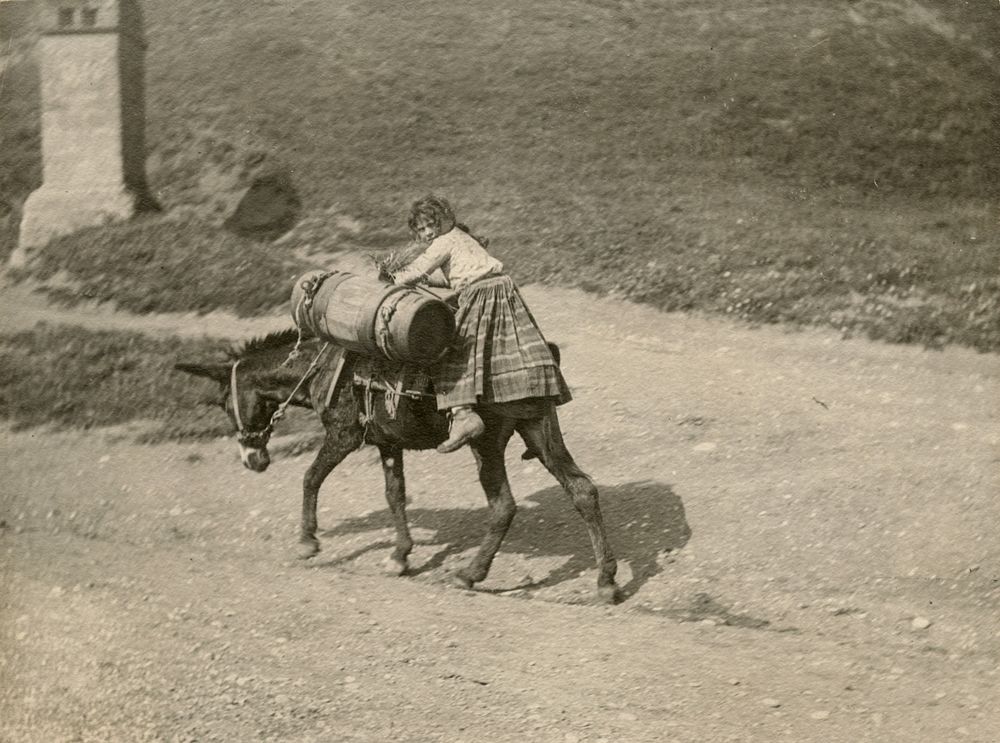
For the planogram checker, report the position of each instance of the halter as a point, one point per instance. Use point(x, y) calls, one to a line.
point(258, 439)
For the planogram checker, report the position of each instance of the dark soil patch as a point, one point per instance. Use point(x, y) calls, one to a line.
point(74, 378)
point(157, 264)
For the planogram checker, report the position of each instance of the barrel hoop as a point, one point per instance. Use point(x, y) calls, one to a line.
point(336, 278)
point(310, 288)
point(380, 323)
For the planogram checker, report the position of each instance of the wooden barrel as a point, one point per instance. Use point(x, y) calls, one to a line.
point(365, 315)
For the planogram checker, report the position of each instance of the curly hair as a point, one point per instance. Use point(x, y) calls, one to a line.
point(435, 210)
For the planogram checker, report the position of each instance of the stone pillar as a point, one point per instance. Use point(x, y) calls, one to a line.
point(93, 117)
point(15, 19)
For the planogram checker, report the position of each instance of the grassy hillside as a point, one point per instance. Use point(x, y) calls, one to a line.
point(559, 106)
point(819, 162)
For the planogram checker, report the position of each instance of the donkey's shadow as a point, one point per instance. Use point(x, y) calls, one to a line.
point(643, 520)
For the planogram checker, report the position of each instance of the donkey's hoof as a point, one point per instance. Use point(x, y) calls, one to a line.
point(461, 580)
point(305, 550)
point(395, 568)
point(609, 595)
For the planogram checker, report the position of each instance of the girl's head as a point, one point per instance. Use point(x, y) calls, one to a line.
point(430, 217)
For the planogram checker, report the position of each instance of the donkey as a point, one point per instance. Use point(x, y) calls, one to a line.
point(263, 376)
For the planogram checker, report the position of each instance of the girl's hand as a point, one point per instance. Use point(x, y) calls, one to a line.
point(411, 280)
point(395, 261)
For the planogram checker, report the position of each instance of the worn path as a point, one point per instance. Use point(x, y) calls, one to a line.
point(807, 528)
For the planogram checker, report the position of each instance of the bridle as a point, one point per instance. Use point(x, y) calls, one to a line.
point(250, 439)
point(258, 439)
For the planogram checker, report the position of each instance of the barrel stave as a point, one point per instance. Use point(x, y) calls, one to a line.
point(373, 318)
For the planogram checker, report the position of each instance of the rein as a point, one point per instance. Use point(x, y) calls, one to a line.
point(258, 439)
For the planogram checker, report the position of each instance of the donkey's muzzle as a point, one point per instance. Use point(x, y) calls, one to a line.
point(256, 460)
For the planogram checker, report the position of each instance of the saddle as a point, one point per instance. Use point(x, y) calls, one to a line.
point(396, 400)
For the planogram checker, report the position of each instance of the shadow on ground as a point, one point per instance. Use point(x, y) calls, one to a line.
point(643, 520)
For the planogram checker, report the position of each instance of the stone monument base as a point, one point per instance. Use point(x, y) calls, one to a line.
point(54, 210)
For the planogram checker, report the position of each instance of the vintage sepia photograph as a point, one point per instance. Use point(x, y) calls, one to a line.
point(591, 371)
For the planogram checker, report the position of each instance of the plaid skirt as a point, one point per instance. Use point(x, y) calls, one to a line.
point(500, 354)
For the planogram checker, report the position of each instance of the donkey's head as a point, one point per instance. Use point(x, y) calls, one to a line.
point(252, 386)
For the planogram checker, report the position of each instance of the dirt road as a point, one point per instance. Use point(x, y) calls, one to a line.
point(806, 527)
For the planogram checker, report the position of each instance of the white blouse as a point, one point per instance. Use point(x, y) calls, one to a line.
point(460, 257)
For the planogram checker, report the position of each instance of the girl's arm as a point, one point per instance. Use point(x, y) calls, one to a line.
point(438, 279)
point(421, 267)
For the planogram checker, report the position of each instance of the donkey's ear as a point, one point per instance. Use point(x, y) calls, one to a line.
point(277, 385)
point(218, 371)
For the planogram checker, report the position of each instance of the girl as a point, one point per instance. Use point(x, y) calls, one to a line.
point(499, 354)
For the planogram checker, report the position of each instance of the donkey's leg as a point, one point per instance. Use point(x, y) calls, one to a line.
point(395, 495)
point(330, 454)
point(489, 451)
point(543, 436)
